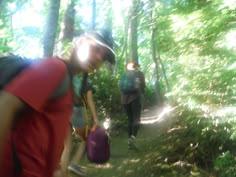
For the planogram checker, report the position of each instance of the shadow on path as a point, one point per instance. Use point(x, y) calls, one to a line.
point(128, 163)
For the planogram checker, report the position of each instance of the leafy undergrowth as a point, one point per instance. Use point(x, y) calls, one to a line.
point(185, 146)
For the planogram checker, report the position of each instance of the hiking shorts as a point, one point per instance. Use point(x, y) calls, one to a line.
point(78, 118)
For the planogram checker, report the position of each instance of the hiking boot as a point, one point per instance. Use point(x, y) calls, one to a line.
point(129, 144)
point(77, 169)
point(132, 143)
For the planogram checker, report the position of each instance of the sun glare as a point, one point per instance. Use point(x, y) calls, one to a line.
point(158, 116)
point(118, 7)
point(230, 39)
point(28, 16)
point(231, 4)
point(83, 52)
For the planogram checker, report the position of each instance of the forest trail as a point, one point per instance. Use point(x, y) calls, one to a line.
point(149, 160)
point(124, 162)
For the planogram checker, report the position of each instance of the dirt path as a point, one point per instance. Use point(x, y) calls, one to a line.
point(128, 163)
point(150, 160)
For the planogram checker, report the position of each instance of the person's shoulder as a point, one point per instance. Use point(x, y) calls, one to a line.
point(77, 79)
point(50, 63)
point(54, 62)
point(140, 72)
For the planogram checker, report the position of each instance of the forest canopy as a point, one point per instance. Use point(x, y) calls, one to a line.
point(186, 48)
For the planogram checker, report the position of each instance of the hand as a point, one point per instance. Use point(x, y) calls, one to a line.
point(60, 173)
point(96, 122)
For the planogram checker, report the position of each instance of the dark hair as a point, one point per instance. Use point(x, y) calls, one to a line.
point(84, 82)
point(104, 38)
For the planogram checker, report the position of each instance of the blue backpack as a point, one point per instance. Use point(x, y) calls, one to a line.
point(130, 82)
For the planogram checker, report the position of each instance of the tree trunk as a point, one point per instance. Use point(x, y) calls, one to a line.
point(69, 21)
point(109, 16)
point(157, 83)
point(67, 28)
point(154, 48)
point(134, 32)
point(163, 70)
point(93, 20)
point(51, 28)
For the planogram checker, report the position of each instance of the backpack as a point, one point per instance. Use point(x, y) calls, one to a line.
point(130, 82)
point(98, 146)
point(10, 67)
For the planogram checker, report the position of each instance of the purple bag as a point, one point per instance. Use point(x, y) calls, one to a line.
point(98, 146)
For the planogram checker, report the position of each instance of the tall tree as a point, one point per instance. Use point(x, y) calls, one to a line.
point(134, 31)
point(67, 27)
point(109, 16)
point(156, 56)
point(93, 19)
point(51, 27)
point(125, 37)
point(69, 22)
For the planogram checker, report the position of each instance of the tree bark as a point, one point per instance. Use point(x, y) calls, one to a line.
point(134, 32)
point(69, 22)
point(67, 28)
point(154, 49)
point(51, 28)
point(93, 20)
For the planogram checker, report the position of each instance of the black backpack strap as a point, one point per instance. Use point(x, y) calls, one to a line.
point(66, 83)
point(17, 167)
point(63, 87)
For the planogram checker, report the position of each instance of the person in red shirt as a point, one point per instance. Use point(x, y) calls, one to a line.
point(33, 125)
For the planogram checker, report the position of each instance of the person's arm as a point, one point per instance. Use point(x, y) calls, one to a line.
point(92, 106)
point(9, 106)
point(143, 83)
point(26, 91)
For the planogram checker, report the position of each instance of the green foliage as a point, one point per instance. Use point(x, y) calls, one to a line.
point(198, 140)
point(195, 40)
point(16, 37)
point(187, 6)
point(107, 95)
point(191, 40)
point(150, 97)
point(207, 82)
point(5, 48)
point(225, 165)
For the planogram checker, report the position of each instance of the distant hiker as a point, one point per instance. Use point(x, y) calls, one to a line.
point(33, 124)
point(132, 86)
point(84, 102)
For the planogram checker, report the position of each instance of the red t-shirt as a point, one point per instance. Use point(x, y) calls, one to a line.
point(40, 131)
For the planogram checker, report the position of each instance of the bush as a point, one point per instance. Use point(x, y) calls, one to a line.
point(107, 95)
point(199, 140)
point(225, 165)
